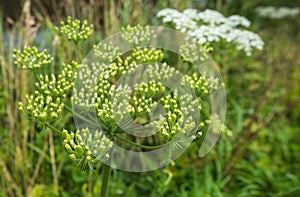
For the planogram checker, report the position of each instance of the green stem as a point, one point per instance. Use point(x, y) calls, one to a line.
point(35, 75)
point(80, 116)
point(105, 180)
point(53, 128)
point(78, 51)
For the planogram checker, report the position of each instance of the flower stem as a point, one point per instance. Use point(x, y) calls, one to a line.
point(53, 128)
point(78, 51)
point(80, 116)
point(105, 180)
point(36, 75)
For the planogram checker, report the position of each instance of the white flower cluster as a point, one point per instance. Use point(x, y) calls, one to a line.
point(277, 13)
point(211, 26)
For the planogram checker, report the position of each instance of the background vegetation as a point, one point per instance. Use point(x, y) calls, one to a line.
point(258, 156)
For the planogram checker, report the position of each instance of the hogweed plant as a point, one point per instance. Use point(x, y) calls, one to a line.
point(137, 99)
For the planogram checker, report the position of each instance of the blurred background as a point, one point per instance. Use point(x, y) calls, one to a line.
point(257, 155)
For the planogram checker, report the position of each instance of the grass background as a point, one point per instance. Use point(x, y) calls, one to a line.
point(258, 156)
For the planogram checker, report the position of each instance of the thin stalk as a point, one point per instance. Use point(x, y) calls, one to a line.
point(53, 163)
point(105, 180)
point(36, 75)
point(80, 116)
point(90, 182)
point(53, 128)
point(78, 51)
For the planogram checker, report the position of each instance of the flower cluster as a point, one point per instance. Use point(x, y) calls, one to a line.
point(42, 108)
point(195, 53)
point(277, 13)
point(211, 26)
point(97, 90)
point(137, 35)
point(145, 55)
point(31, 58)
point(75, 30)
point(122, 111)
point(85, 146)
point(67, 77)
point(117, 104)
point(145, 96)
point(106, 52)
point(46, 103)
point(201, 84)
point(178, 119)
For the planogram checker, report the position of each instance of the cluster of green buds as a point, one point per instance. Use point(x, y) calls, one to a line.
point(58, 86)
point(31, 58)
point(179, 118)
point(106, 52)
point(67, 77)
point(145, 55)
point(137, 35)
point(195, 53)
point(145, 96)
point(85, 146)
point(120, 108)
point(116, 102)
point(46, 103)
point(201, 84)
point(75, 30)
point(41, 107)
